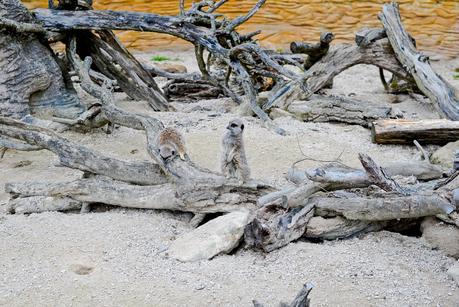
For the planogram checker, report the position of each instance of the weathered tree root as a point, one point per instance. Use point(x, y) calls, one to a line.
point(285, 215)
point(301, 299)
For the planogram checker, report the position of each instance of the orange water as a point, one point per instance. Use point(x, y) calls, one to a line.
point(434, 24)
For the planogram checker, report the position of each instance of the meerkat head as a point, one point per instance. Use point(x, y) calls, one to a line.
point(236, 127)
point(167, 151)
point(326, 37)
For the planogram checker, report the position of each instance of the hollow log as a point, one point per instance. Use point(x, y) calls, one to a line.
point(439, 91)
point(403, 131)
point(31, 82)
point(275, 226)
point(339, 109)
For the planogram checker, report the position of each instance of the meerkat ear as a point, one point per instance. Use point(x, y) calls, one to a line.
point(242, 127)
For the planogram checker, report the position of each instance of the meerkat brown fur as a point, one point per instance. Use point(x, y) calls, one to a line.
point(233, 159)
point(170, 143)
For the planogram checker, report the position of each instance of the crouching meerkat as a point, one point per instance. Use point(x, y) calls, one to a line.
point(233, 159)
point(171, 143)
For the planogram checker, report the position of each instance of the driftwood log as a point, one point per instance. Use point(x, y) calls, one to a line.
point(337, 173)
point(339, 109)
point(285, 215)
point(440, 92)
point(427, 131)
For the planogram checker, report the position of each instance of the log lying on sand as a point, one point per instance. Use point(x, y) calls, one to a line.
point(428, 81)
point(403, 131)
point(285, 214)
point(338, 228)
point(339, 109)
point(217, 197)
point(383, 208)
point(335, 172)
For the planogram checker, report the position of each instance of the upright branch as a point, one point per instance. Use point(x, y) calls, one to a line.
point(378, 176)
point(417, 64)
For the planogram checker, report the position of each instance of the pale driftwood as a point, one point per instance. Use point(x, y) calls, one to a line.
point(117, 63)
point(334, 62)
point(37, 204)
point(79, 157)
point(383, 208)
point(274, 226)
point(378, 176)
point(301, 299)
point(338, 228)
point(403, 131)
point(335, 172)
point(428, 81)
point(200, 36)
point(30, 73)
point(365, 37)
point(339, 109)
point(218, 197)
point(9, 143)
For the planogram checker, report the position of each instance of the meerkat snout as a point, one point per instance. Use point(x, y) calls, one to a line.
point(167, 151)
point(171, 143)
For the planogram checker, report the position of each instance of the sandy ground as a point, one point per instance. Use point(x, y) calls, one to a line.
point(125, 251)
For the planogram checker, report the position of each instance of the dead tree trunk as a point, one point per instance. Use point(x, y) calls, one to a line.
point(31, 81)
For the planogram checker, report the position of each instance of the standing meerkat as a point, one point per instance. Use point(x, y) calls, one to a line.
point(233, 159)
point(171, 143)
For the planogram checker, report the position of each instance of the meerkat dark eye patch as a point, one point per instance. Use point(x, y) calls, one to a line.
point(233, 125)
point(242, 127)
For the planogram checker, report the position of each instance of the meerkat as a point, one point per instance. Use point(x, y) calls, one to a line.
point(171, 143)
point(233, 159)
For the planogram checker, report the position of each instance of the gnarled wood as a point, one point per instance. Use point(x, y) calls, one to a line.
point(334, 62)
point(31, 81)
point(427, 80)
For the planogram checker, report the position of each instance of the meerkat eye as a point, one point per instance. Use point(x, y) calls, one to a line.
point(233, 125)
point(173, 152)
point(242, 127)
